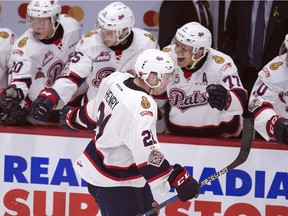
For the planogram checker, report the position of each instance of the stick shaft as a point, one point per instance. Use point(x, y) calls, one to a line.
point(246, 141)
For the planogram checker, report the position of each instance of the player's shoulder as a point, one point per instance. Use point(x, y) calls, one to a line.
point(115, 77)
point(219, 57)
point(68, 21)
point(25, 40)
point(90, 39)
point(6, 32)
point(141, 34)
point(145, 106)
point(275, 70)
point(220, 60)
point(138, 102)
point(7, 37)
point(26, 45)
point(170, 50)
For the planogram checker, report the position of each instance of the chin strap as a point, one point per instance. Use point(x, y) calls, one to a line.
point(54, 20)
point(194, 62)
point(118, 34)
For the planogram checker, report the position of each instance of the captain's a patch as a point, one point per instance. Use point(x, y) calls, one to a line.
point(155, 158)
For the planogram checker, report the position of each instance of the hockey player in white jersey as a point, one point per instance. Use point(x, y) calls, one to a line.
point(98, 55)
point(38, 57)
point(268, 102)
point(7, 39)
point(206, 96)
point(125, 154)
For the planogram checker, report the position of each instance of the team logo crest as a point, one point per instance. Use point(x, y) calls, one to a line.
point(89, 34)
point(150, 36)
point(22, 42)
point(145, 103)
point(218, 59)
point(275, 65)
point(166, 49)
point(155, 158)
point(4, 34)
point(39, 74)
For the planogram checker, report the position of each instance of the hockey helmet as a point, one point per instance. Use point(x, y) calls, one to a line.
point(116, 16)
point(195, 35)
point(153, 60)
point(43, 8)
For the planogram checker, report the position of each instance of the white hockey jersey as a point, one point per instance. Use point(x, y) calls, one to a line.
point(37, 65)
point(94, 61)
point(269, 95)
point(190, 112)
point(125, 147)
point(7, 39)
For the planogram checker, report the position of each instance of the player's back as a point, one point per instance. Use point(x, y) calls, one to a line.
point(126, 118)
point(124, 110)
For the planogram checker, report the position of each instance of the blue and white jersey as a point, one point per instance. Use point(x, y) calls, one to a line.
point(125, 150)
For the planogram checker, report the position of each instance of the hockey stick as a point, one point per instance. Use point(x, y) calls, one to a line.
point(129, 61)
point(248, 130)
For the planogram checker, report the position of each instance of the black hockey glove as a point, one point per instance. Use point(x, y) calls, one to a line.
point(10, 95)
point(17, 116)
point(218, 96)
point(278, 126)
point(186, 186)
point(67, 116)
point(44, 103)
point(11, 112)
